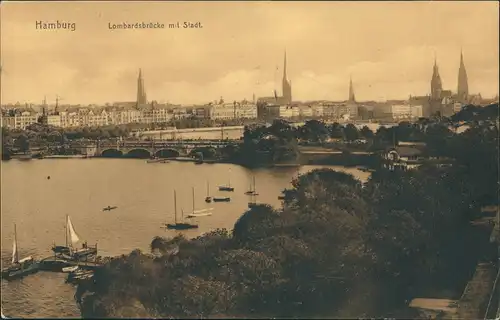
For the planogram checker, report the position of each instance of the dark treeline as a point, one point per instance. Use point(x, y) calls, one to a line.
point(279, 142)
point(336, 248)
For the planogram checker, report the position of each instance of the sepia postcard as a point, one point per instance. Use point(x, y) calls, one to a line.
point(250, 159)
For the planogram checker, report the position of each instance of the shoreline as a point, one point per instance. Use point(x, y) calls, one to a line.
point(342, 161)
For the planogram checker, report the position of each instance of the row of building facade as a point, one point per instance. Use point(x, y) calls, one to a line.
point(21, 117)
point(266, 108)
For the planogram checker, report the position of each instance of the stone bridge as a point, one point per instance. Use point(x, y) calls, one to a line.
point(161, 149)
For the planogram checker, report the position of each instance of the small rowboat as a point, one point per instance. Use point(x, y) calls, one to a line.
point(70, 269)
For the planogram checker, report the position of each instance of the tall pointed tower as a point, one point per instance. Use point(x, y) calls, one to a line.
point(436, 84)
point(141, 93)
point(352, 98)
point(287, 85)
point(463, 83)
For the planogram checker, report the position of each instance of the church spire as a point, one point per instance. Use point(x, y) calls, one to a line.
point(352, 98)
point(284, 68)
point(286, 84)
point(436, 84)
point(463, 85)
point(141, 93)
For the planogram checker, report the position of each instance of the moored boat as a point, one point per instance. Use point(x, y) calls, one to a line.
point(19, 267)
point(179, 225)
point(221, 199)
point(252, 191)
point(208, 198)
point(76, 276)
point(228, 186)
point(69, 252)
point(199, 213)
point(70, 269)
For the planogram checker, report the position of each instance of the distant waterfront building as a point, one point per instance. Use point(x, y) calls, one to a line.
point(289, 112)
point(19, 119)
point(306, 111)
point(406, 111)
point(235, 110)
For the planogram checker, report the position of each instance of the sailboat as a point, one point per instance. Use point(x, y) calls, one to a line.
point(208, 198)
point(69, 251)
point(179, 225)
point(228, 187)
point(19, 267)
point(199, 213)
point(252, 190)
point(253, 196)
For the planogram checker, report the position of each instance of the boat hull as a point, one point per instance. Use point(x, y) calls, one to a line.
point(222, 199)
point(181, 226)
point(77, 276)
point(14, 273)
point(67, 254)
point(228, 189)
point(69, 269)
point(61, 249)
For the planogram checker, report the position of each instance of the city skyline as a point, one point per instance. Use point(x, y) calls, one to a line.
point(368, 42)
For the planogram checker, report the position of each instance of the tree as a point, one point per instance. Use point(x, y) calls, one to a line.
point(367, 133)
point(351, 133)
point(336, 131)
point(314, 130)
point(22, 142)
point(254, 224)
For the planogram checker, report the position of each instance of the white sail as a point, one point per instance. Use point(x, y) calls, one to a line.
point(14, 251)
point(72, 233)
point(203, 210)
point(201, 214)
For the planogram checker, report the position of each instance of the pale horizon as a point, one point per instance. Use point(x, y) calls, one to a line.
point(387, 47)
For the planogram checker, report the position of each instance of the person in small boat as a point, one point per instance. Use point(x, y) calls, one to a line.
point(84, 245)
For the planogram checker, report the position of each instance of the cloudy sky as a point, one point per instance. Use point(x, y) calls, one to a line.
point(387, 47)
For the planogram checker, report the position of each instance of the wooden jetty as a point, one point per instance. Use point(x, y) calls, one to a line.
point(57, 264)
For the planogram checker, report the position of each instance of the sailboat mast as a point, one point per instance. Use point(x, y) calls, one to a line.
point(208, 189)
point(254, 189)
point(175, 206)
point(15, 239)
point(66, 230)
point(193, 199)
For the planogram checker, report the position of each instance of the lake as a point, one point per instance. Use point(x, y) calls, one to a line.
point(143, 193)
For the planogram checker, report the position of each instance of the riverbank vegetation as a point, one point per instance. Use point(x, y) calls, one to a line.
point(279, 142)
point(336, 248)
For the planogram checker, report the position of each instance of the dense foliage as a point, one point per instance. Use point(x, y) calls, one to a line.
point(336, 248)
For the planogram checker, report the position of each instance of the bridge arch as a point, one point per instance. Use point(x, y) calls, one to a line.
point(207, 152)
point(111, 153)
point(167, 153)
point(138, 153)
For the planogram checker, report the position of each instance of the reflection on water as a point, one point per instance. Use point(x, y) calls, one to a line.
point(143, 194)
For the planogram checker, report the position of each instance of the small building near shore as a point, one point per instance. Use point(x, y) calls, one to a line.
point(402, 157)
point(410, 156)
